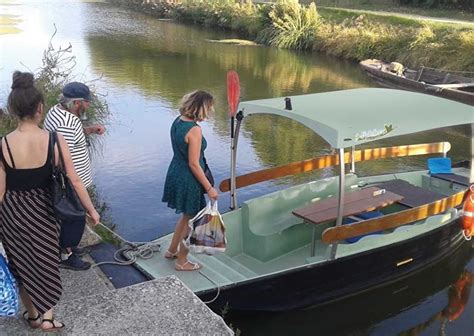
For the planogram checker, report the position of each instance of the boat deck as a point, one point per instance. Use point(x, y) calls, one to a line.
point(220, 268)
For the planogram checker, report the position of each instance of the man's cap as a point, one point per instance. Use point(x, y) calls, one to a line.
point(77, 90)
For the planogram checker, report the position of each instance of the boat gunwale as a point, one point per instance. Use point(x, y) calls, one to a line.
point(322, 263)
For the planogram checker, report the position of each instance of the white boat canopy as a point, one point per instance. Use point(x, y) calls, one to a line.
point(353, 117)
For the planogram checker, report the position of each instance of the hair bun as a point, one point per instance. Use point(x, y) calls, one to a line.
point(22, 80)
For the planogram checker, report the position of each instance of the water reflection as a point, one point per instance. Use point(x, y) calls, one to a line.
point(458, 297)
point(174, 59)
point(156, 62)
point(149, 64)
point(419, 305)
point(9, 18)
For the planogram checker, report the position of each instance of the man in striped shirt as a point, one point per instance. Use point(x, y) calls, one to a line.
point(64, 118)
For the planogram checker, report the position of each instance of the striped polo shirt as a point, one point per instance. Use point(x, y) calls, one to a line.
point(70, 127)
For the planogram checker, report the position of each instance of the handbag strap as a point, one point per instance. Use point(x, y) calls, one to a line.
point(53, 140)
point(10, 152)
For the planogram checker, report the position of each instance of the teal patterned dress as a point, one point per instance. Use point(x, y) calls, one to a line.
point(182, 191)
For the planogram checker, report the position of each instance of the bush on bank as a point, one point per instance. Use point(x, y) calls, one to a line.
point(291, 25)
point(56, 71)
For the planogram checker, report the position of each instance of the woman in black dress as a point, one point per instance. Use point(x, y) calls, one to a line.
point(28, 228)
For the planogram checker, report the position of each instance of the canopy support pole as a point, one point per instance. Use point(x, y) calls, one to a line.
point(353, 165)
point(471, 175)
point(233, 158)
point(340, 210)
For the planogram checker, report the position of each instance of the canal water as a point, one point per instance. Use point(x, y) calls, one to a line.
point(143, 66)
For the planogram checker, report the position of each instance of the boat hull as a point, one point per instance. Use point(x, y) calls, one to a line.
point(393, 81)
point(326, 282)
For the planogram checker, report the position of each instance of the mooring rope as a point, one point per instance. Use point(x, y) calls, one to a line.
point(142, 250)
point(145, 250)
point(216, 284)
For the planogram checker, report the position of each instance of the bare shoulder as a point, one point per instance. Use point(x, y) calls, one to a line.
point(195, 130)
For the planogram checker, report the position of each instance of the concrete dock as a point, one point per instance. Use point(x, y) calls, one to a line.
point(91, 306)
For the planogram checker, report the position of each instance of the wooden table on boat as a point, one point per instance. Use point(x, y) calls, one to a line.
point(362, 200)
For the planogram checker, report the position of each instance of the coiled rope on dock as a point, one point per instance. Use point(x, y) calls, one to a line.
point(142, 250)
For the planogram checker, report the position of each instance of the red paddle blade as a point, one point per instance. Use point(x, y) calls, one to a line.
point(233, 91)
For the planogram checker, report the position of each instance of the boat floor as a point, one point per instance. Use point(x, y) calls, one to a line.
point(221, 269)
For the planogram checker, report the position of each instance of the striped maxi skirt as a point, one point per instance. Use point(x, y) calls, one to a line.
point(30, 236)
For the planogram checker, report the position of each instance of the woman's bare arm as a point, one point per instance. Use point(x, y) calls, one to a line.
point(194, 138)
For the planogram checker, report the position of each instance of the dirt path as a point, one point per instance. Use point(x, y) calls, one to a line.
point(410, 16)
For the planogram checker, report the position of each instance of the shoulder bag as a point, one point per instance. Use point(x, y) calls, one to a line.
point(207, 172)
point(66, 204)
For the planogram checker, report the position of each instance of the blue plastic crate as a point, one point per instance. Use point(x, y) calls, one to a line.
point(362, 216)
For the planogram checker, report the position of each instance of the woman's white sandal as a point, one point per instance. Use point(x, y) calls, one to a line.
point(195, 267)
point(171, 255)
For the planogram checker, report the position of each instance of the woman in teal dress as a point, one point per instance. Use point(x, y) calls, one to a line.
point(186, 183)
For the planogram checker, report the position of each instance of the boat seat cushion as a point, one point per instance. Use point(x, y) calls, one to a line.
point(439, 165)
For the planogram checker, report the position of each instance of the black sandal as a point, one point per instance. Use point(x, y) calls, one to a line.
point(54, 327)
point(29, 320)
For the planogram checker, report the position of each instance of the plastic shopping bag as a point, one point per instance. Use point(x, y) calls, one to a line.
point(9, 304)
point(207, 231)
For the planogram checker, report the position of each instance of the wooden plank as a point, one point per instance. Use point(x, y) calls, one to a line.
point(280, 171)
point(394, 220)
point(326, 211)
point(333, 160)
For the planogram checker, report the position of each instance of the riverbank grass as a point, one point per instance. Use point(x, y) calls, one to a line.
point(339, 32)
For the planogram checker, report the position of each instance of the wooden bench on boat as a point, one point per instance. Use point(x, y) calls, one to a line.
point(422, 204)
point(355, 202)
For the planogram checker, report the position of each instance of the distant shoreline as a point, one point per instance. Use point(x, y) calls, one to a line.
point(343, 33)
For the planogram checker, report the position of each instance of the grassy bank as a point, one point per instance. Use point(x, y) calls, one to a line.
point(288, 24)
point(56, 70)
